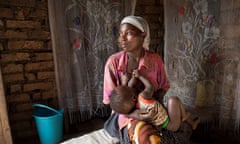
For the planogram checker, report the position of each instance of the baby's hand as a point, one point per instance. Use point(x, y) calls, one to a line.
point(136, 73)
point(124, 79)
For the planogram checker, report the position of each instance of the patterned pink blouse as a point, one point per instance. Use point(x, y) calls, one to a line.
point(150, 65)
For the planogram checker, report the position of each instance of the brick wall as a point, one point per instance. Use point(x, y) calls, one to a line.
point(153, 12)
point(26, 58)
point(26, 61)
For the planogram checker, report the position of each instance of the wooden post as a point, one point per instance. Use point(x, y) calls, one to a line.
point(5, 131)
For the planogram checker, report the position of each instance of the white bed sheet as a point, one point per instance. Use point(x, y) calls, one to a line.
point(96, 137)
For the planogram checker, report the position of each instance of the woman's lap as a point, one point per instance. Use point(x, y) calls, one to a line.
point(166, 137)
point(111, 126)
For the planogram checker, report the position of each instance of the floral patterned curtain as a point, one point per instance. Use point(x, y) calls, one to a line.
point(201, 48)
point(84, 34)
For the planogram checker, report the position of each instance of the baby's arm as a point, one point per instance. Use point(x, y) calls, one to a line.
point(132, 82)
point(140, 115)
point(148, 91)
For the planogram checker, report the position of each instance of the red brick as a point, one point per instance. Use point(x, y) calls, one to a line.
point(43, 35)
point(43, 56)
point(22, 24)
point(15, 57)
point(159, 2)
point(21, 13)
point(39, 66)
point(36, 96)
point(45, 75)
point(19, 125)
point(37, 86)
point(19, 116)
point(21, 45)
point(42, 5)
point(28, 133)
point(154, 19)
point(15, 88)
point(12, 68)
point(19, 98)
point(24, 106)
point(6, 13)
point(13, 77)
point(25, 3)
point(146, 2)
point(49, 94)
point(152, 10)
point(30, 76)
point(154, 26)
point(11, 34)
point(38, 13)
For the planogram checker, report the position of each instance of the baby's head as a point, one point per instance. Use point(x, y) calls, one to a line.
point(123, 99)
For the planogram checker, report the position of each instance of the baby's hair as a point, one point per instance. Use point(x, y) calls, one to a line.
point(120, 101)
point(115, 100)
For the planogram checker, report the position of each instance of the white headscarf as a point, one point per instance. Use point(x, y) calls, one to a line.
point(142, 25)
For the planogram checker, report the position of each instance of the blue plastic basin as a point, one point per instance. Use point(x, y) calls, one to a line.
point(49, 123)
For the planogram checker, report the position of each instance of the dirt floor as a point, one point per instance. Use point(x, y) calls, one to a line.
point(206, 135)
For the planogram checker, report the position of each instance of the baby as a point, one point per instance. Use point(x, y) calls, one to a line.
point(125, 100)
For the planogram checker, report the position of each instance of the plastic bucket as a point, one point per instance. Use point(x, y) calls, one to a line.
point(49, 123)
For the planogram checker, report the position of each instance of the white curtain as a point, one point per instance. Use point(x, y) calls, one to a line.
point(84, 34)
point(202, 56)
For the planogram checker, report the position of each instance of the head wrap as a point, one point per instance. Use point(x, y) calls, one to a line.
point(140, 24)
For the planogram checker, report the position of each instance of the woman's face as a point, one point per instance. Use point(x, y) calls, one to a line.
point(130, 38)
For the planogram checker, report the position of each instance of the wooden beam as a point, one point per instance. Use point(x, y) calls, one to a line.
point(5, 131)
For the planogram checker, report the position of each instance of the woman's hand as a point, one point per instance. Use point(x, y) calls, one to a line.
point(136, 73)
point(124, 79)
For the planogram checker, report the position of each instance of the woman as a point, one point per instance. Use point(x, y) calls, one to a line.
point(134, 39)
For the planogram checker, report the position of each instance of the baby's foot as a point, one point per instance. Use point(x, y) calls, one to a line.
point(196, 121)
point(186, 116)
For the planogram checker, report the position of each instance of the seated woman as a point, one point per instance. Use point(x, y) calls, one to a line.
point(134, 39)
